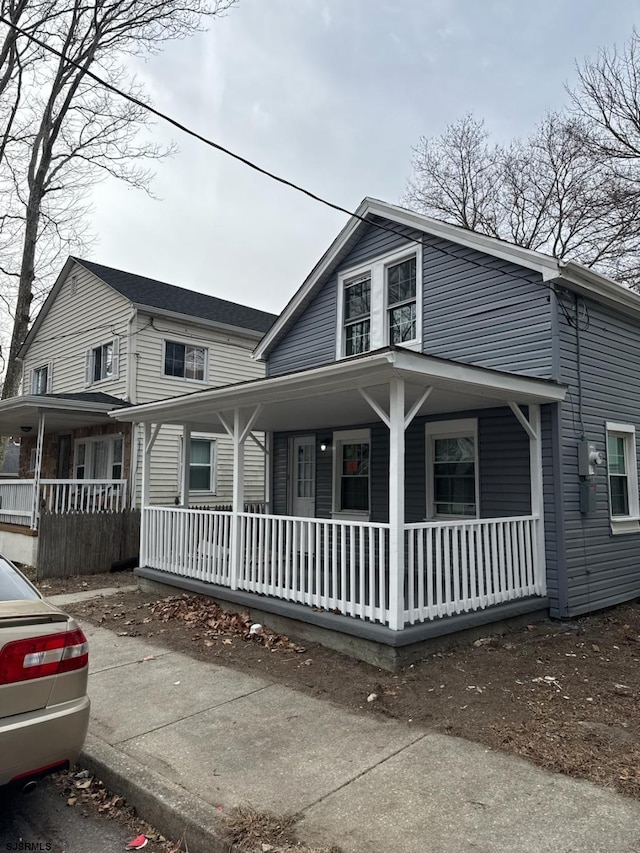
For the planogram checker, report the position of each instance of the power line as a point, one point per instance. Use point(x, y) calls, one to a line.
point(182, 127)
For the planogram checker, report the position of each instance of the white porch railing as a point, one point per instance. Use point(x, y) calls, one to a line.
point(459, 566)
point(335, 565)
point(195, 543)
point(58, 496)
point(342, 566)
point(83, 495)
point(16, 501)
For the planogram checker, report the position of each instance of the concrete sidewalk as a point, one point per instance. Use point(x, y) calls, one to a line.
point(180, 738)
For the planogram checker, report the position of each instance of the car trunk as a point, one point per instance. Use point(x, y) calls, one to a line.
point(23, 620)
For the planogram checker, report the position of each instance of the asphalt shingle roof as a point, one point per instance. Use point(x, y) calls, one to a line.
point(168, 297)
point(89, 397)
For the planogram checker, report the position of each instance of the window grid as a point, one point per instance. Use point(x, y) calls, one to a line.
point(401, 301)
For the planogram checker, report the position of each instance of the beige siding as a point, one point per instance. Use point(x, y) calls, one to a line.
point(76, 322)
point(228, 361)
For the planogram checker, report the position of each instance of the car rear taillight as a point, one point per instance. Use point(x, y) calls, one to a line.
point(37, 657)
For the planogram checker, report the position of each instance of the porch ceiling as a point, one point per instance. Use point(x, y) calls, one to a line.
point(327, 397)
point(19, 416)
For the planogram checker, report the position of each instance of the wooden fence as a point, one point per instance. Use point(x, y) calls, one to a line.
point(81, 543)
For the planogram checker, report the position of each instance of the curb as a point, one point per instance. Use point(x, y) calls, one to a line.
point(170, 809)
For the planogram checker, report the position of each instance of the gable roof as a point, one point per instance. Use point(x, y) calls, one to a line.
point(168, 298)
point(569, 273)
point(150, 293)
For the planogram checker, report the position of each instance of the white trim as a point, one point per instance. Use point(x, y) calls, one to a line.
point(457, 428)
point(349, 374)
point(185, 344)
point(213, 465)
point(340, 438)
point(631, 523)
point(376, 268)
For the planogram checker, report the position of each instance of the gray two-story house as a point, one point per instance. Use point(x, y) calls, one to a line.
point(451, 428)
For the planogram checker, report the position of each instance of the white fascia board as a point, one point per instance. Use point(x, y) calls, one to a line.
point(599, 287)
point(192, 320)
point(346, 375)
point(30, 401)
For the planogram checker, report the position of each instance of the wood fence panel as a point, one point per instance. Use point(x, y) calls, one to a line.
point(84, 543)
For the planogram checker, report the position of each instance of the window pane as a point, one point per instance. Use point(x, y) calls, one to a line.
point(619, 495)
point(401, 282)
point(357, 338)
point(40, 377)
point(355, 493)
point(117, 450)
point(200, 452)
point(97, 364)
point(107, 360)
point(615, 454)
point(402, 323)
point(454, 483)
point(200, 479)
point(194, 362)
point(174, 357)
point(357, 299)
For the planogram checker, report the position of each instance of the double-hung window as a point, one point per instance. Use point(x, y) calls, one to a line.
point(379, 304)
point(452, 469)
point(357, 315)
point(102, 362)
point(202, 465)
point(622, 472)
point(41, 380)
point(401, 301)
point(185, 361)
point(352, 471)
point(99, 458)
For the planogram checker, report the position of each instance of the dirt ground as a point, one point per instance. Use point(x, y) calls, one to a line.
point(78, 583)
point(564, 695)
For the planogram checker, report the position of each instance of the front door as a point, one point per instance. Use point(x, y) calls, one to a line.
point(303, 479)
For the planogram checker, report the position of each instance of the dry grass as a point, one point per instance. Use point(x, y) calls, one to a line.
point(263, 832)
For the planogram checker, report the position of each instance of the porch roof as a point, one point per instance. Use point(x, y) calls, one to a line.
point(21, 415)
point(327, 397)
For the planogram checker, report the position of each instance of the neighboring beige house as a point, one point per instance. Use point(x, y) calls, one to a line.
point(105, 339)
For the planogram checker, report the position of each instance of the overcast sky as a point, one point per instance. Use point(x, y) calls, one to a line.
point(332, 94)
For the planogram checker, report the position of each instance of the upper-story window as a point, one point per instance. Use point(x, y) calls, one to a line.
point(41, 380)
point(102, 362)
point(185, 361)
point(378, 304)
point(357, 315)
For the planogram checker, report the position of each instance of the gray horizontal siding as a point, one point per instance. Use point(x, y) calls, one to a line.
point(476, 308)
point(503, 458)
point(601, 569)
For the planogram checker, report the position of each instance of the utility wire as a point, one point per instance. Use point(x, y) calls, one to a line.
point(249, 163)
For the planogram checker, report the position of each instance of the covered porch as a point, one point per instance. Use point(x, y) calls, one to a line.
point(71, 458)
point(394, 559)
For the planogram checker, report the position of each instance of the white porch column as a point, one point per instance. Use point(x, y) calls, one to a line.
point(186, 459)
point(144, 496)
point(396, 504)
point(238, 498)
point(37, 474)
point(537, 498)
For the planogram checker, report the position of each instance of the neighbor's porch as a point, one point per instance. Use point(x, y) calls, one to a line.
point(391, 570)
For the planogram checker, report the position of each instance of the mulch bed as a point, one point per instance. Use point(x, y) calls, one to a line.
point(563, 695)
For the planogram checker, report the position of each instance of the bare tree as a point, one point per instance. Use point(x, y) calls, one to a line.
point(61, 131)
point(552, 192)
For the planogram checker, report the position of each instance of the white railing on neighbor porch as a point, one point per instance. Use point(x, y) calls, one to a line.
point(16, 501)
point(334, 565)
point(83, 495)
point(58, 496)
point(459, 566)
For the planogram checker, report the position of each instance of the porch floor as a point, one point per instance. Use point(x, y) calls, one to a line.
point(359, 638)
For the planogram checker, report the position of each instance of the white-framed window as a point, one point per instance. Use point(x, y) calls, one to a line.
point(452, 469)
point(41, 378)
point(202, 465)
point(379, 303)
point(98, 457)
point(184, 361)
point(102, 362)
point(622, 476)
point(352, 472)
